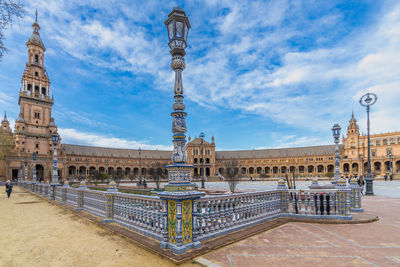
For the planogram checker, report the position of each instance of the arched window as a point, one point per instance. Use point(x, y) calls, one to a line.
point(392, 141)
point(207, 160)
point(385, 142)
point(195, 161)
point(36, 59)
point(378, 142)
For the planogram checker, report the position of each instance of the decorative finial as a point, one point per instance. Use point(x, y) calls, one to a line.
point(5, 115)
point(36, 16)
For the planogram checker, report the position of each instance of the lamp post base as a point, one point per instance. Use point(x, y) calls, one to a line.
point(369, 191)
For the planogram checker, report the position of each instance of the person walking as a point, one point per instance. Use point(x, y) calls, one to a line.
point(9, 187)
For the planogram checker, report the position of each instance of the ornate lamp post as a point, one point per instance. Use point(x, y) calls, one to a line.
point(54, 179)
point(203, 178)
point(26, 170)
point(390, 155)
point(367, 101)
point(336, 135)
point(34, 156)
point(140, 167)
point(180, 233)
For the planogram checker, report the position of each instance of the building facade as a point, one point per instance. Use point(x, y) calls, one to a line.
point(35, 126)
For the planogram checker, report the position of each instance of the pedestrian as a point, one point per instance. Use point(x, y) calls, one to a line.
point(385, 177)
point(362, 185)
point(9, 187)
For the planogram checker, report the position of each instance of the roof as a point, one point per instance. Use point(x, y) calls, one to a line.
point(279, 152)
point(197, 141)
point(115, 152)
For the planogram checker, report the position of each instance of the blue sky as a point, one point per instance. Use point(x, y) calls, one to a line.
point(259, 74)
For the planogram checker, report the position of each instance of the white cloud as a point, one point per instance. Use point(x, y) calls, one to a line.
point(72, 136)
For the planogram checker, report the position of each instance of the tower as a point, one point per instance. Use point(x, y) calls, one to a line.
point(5, 124)
point(35, 125)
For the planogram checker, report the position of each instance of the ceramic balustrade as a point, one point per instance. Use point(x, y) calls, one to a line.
point(94, 202)
point(313, 202)
point(218, 215)
point(144, 214)
point(71, 196)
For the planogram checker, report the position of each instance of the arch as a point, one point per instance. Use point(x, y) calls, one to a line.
point(37, 90)
point(44, 91)
point(387, 166)
point(320, 168)
point(346, 168)
point(354, 167)
point(301, 169)
point(207, 161)
point(275, 170)
point(267, 169)
point(207, 171)
point(36, 59)
point(110, 171)
point(196, 172)
point(119, 172)
point(243, 170)
point(82, 170)
point(92, 170)
point(251, 170)
point(39, 172)
point(221, 171)
point(377, 166)
point(310, 169)
point(397, 166)
point(283, 169)
point(102, 170)
point(195, 160)
point(127, 171)
point(72, 170)
point(292, 169)
point(259, 169)
point(30, 87)
point(136, 171)
point(201, 160)
point(330, 168)
point(144, 171)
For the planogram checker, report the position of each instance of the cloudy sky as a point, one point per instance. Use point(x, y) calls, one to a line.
point(261, 74)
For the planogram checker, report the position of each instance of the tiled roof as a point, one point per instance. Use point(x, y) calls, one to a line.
point(115, 152)
point(276, 153)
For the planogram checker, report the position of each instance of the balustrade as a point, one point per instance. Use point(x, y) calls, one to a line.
point(94, 202)
point(218, 215)
point(313, 202)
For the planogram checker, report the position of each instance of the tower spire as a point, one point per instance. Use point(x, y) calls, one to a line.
point(36, 16)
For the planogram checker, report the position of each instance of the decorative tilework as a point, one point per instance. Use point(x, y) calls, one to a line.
point(187, 221)
point(172, 221)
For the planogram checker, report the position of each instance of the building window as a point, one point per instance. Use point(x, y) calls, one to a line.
point(378, 142)
point(36, 73)
point(37, 115)
point(36, 59)
point(385, 142)
point(392, 141)
point(37, 145)
point(373, 152)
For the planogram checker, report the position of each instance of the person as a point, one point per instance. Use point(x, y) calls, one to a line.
point(359, 182)
point(385, 177)
point(9, 187)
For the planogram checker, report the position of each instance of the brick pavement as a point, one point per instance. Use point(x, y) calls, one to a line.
point(305, 244)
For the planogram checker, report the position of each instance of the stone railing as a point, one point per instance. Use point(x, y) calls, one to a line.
point(205, 217)
point(219, 215)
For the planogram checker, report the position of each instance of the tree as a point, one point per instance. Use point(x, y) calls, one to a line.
point(9, 10)
point(6, 144)
point(232, 174)
point(157, 173)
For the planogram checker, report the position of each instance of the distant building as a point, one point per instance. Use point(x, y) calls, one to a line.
point(35, 125)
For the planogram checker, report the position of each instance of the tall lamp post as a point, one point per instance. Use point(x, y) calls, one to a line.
point(34, 156)
point(54, 179)
point(140, 166)
point(389, 153)
point(367, 101)
point(203, 178)
point(336, 135)
point(179, 193)
point(26, 170)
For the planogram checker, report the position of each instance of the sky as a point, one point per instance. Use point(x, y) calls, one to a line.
point(259, 74)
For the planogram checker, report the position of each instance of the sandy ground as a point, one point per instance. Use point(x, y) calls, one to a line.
point(36, 233)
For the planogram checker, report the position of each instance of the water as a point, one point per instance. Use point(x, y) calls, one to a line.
point(381, 188)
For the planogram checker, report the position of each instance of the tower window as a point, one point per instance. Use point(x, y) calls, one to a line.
point(36, 59)
point(37, 115)
point(37, 145)
point(36, 73)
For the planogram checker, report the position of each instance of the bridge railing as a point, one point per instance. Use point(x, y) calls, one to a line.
point(210, 216)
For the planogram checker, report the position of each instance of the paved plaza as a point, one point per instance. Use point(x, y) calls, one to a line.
point(304, 244)
point(37, 233)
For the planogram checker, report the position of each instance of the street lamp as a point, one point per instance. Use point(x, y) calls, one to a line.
point(140, 167)
point(367, 101)
point(34, 156)
point(336, 135)
point(54, 179)
point(203, 178)
point(390, 155)
point(26, 170)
